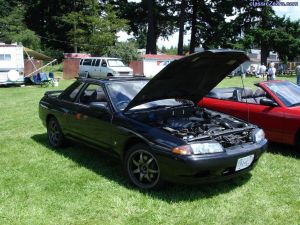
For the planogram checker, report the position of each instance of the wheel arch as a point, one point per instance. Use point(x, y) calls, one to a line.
point(49, 116)
point(131, 142)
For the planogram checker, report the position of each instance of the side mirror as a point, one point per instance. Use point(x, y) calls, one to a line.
point(267, 102)
point(99, 106)
point(104, 65)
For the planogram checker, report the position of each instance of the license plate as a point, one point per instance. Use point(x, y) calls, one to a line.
point(244, 162)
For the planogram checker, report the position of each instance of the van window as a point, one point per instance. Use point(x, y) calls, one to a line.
point(104, 63)
point(93, 63)
point(115, 62)
point(5, 57)
point(87, 62)
point(97, 62)
point(81, 60)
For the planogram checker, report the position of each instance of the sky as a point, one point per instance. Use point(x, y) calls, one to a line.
point(289, 11)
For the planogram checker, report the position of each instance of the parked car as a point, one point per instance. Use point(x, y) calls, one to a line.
point(274, 106)
point(155, 126)
point(100, 67)
point(11, 64)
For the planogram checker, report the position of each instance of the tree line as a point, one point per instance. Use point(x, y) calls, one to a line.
point(92, 26)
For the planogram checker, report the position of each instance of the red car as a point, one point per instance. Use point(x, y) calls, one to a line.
point(274, 106)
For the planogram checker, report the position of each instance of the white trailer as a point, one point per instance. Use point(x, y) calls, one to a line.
point(11, 64)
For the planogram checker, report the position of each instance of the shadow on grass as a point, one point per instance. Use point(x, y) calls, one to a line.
point(110, 168)
point(283, 149)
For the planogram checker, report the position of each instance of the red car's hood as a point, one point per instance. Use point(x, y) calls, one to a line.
point(190, 77)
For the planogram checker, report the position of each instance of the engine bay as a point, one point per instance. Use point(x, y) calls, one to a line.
point(195, 124)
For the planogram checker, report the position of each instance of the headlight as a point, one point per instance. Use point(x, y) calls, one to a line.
point(115, 72)
point(206, 148)
point(258, 135)
point(199, 148)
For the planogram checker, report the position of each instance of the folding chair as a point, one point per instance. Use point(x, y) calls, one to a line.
point(54, 82)
point(36, 79)
point(45, 81)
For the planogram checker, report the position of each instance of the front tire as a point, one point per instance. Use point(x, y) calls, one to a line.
point(142, 168)
point(55, 136)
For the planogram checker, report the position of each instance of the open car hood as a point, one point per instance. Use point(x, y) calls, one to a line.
point(190, 77)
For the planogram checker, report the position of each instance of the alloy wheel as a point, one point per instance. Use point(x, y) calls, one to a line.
point(54, 133)
point(143, 169)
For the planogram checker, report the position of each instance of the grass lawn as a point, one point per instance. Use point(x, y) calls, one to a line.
point(79, 185)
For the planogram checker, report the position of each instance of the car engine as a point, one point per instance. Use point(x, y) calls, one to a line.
point(196, 124)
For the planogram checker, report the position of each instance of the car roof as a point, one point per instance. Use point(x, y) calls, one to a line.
point(113, 79)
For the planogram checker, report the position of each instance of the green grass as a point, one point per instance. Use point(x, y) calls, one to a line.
point(79, 185)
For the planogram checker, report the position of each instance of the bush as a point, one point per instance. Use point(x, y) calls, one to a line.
point(124, 50)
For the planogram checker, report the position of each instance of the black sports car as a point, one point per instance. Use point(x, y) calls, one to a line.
point(155, 126)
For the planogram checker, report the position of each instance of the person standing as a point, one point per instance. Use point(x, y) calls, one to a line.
point(297, 70)
point(262, 71)
point(271, 72)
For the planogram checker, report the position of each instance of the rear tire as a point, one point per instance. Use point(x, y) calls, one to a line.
point(142, 168)
point(55, 136)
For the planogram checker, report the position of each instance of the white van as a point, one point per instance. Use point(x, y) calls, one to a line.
point(101, 67)
point(11, 64)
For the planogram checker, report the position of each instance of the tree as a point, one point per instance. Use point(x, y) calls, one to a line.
point(193, 26)
point(181, 22)
point(151, 36)
point(94, 32)
point(13, 29)
point(208, 24)
point(287, 41)
point(265, 30)
point(76, 25)
point(162, 23)
point(127, 51)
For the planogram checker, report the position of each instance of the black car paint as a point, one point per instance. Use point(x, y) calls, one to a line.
point(121, 131)
point(191, 77)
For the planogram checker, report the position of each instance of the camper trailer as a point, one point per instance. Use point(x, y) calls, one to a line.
point(11, 64)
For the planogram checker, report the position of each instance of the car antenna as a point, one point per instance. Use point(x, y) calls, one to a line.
point(246, 99)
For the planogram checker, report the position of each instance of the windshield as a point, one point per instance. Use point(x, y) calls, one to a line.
point(122, 93)
point(287, 92)
point(115, 62)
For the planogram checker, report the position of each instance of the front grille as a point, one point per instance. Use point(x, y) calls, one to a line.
point(124, 73)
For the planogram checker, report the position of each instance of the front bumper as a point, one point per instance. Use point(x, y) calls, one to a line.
point(208, 168)
point(11, 82)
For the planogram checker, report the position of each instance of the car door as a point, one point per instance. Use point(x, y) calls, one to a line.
point(104, 68)
point(68, 104)
point(270, 118)
point(86, 66)
point(89, 124)
point(96, 71)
